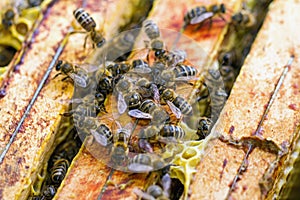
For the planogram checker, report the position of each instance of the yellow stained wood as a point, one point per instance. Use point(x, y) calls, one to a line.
point(35, 140)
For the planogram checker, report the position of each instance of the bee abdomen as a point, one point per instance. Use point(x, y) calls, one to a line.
point(59, 170)
point(183, 105)
point(84, 19)
point(147, 106)
point(172, 131)
point(184, 71)
point(151, 29)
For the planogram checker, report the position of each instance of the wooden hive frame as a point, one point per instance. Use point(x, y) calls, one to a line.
point(217, 171)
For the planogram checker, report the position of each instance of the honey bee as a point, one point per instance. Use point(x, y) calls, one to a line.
point(200, 14)
point(244, 19)
point(150, 110)
point(49, 192)
point(151, 29)
point(147, 89)
point(172, 132)
point(156, 191)
point(140, 163)
point(228, 75)
point(34, 3)
point(177, 104)
point(59, 170)
point(150, 133)
point(78, 74)
point(144, 110)
point(117, 69)
point(140, 66)
point(89, 24)
point(217, 94)
point(8, 18)
point(171, 58)
point(204, 126)
point(103, 135)
point(120, 145)
point(229, 58)
point(127, 96)
point(66, 150)
point(184, 71)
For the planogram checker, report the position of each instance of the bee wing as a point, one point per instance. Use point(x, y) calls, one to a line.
point(174, 109)
point(122, 106)
point(78, 80)
point(142, 70)
point(138, 168)
point(201, 18)
point(155, 93)
point(139, 114)
point(187, 78)
point(89, 67)
point(101, 139)
point(142, 194)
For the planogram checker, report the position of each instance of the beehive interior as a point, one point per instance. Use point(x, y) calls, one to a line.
point(183, 156)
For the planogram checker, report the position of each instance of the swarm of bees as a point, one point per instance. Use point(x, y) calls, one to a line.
point(147, 91)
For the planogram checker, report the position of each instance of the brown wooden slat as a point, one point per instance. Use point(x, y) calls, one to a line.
point(208, 39)
point(249, 97)
point(34, 142)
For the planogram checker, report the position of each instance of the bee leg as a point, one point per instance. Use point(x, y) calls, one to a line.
point(85, 41)
point(221, 16)
point(198, 27)
point(57, 75)
point(67, 77)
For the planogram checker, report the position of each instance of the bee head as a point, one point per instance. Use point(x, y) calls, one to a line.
point(222, 8)
point(58, 65)
point(100, 43)
point(159, 53)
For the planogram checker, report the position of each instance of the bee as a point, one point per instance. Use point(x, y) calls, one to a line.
point(59, 170)
point(144, 110)
point(89, 24)
point(49, 192)
point(228, 75)
point(150, 110)
point(78, 74)
point(156, 191)
point(120, 47)
point(172, 132)
point(244, 19)
point(184, 71)
point(103, 135)
point(147, 89)
point(229, 58)
point(8, 18)
point(34, 3)
point(127, 96)
point(66, 150)
point(140, 163)
point(218, 95)
point(204, 126)
point(150, 133)
point(117, 69)
point(140, 66)
point(151, 29)
point(105, 85)
point(200, 14)
point(171, 58)
point(120, 145)
point(177, 104)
